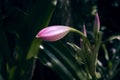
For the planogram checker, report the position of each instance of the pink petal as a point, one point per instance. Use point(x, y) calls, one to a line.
point(84, 30)
point(53, 33)
point(97, 23)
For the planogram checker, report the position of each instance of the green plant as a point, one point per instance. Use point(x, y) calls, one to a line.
point(80, 62)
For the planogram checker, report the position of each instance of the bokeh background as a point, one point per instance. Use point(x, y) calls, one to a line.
point(20, 21)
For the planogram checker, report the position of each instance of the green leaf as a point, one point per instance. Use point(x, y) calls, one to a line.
point(78, 52)
point(57, 51)
point(34, 49)
point(112, 38)
point(106, 52)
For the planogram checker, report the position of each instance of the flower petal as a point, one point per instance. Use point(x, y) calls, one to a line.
point(53, 33)
point(96, 23)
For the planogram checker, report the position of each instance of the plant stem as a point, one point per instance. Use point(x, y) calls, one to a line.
point(90, 68)
point(87, 72)
point(77, 31)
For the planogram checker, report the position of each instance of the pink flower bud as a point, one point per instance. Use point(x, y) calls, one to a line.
point(96, 23)
point(84, 30)
point(53, 33)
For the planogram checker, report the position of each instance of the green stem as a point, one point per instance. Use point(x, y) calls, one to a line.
point(88, 66)
point(84, 56)
point(82, 35)
point(87, 72)
point(77, 31)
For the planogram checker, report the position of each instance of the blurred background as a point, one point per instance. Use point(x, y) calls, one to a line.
point(20, 21)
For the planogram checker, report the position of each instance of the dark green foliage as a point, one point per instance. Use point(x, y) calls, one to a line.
point(19, 23)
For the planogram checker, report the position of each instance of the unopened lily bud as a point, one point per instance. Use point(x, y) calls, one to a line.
point(53, 33)
point(96, 23)
point(84, 30)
